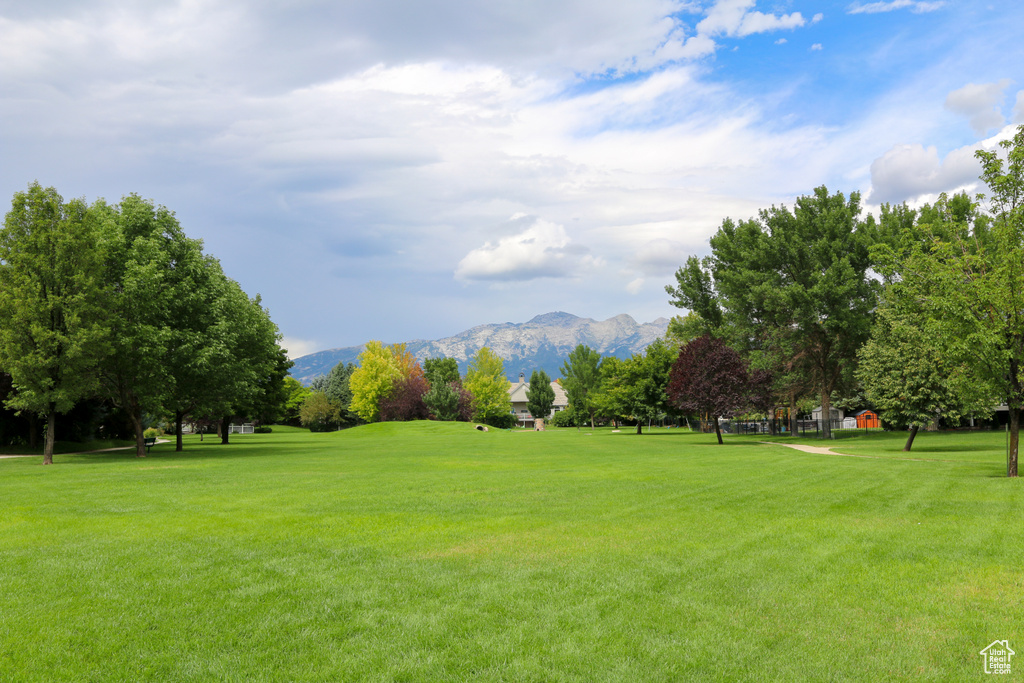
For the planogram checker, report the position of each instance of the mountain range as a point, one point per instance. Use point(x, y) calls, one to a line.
point(543, 343)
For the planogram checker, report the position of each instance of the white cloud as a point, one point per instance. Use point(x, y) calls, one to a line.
point(817, 47)
point(542, 250)
point(1018, 108)
point(878, 7)
point(907, 172)
point(817, 17)
point(735, 18)
point(980, 102)
point(781, 41)
point(297, 348)
point(635, 286)
point(661, 256)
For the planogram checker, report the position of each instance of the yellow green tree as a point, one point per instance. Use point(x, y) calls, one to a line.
point(375, 378)
point(487, 383)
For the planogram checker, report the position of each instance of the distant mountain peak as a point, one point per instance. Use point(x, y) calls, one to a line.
point(554, 318)
point(543, 343)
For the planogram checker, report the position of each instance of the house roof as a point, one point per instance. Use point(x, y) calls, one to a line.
point(864, 412)
point(517, 393)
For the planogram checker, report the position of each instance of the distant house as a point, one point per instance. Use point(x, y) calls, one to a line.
point(517, 394)
point(867, 419)
point(836, 414)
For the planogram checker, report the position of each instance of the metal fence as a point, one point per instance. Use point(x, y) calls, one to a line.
point(805, 428)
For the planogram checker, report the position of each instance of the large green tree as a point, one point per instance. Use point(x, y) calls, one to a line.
point(143, 281)
point(540, 397)
point(966, 274)
point(336, 385)
point(795, 289)
point(635, 388)
point(909, 379)
point(581, 378)
point(487, 383)
point(52, 303)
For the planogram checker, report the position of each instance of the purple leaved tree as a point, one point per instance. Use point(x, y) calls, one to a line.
point(708, 378)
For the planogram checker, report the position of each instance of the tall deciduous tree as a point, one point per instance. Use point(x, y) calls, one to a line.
point(487, 383)
point(794, 287)
point(142, 277)
point(441, 370)
point(54, 332)
point(319, 413)
point(373, 380)
point(967, 276)
point(635, 388)
point(540, 397)
point(708, 378)
point(336, 385)
point(581, 378)
point(909, 379)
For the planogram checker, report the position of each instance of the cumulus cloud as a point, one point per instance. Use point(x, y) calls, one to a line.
point(541, 250)
point(817, 47)
point(915, 6)
point(908, 172)
point(1018, 108)
point(297, 348)
point(979, 102)
point(660, 256)
point(736, 18)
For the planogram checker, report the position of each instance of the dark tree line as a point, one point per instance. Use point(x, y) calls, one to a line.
point(114, 301)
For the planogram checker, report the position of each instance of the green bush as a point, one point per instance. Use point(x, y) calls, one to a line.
point(564, 418)
point(502, 421)
point(151, 433)
point(262, 429)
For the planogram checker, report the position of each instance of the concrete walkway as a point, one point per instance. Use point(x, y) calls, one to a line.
point(102, 450)
point(821, 450)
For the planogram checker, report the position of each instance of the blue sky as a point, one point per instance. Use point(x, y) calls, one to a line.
point(392, 170)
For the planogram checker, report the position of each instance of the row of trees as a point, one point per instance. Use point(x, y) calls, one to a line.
point(922, 310)
point(389, 384)
point(114, 301)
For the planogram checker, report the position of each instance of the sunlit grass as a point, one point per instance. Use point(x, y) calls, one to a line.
point(432, 551)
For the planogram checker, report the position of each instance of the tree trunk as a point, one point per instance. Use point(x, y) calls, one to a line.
point(33, 432)
point(51, 423)
point(1011, 457)
point(639, 426)
point(826, 415)
point(225, 423)
point(718, 429)
point(793, 426)
point(910, 439)
point(178, 417)
point(140, 436)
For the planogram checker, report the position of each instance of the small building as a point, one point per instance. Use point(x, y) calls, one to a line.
point(836, 415)
point(517, 394)
point(867, 419)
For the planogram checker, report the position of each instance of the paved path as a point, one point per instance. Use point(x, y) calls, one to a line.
point(807, 449)
point(822, 450)
point(102, 450)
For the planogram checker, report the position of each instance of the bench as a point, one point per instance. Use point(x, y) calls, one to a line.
point(151, 441)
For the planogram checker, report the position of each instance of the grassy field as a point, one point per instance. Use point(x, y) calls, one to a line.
point(431, 551)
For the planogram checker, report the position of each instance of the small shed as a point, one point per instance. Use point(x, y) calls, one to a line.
point(867, 419)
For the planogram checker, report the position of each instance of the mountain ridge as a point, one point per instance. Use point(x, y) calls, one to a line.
point(541, 343)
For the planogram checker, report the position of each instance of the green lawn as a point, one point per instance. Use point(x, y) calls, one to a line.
point(431, 551)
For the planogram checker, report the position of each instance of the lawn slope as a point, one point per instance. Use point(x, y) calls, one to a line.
point(431, 551)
